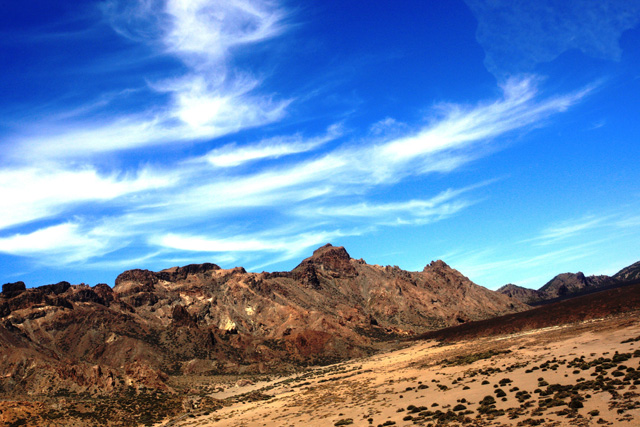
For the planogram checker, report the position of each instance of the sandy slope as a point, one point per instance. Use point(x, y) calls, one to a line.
point(381, 389)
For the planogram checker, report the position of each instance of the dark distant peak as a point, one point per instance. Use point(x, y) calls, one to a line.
point(570, 280)
point(13, 289)
point(567, 284)
point(520, 293)
point(437, 265)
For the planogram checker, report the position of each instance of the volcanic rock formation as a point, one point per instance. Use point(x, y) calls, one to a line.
point(202, 319)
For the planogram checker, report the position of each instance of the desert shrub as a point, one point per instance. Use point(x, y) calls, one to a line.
point(620, 357)
point(575, 404)
point(488, 400)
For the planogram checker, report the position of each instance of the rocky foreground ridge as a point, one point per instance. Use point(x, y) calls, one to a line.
point(202, 319)
point(568, 285)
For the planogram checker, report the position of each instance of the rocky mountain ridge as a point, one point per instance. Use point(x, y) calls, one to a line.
point(203, 320)
point(568, 285)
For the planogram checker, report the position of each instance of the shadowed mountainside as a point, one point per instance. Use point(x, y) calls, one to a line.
point(569, 285)
point(587, 307)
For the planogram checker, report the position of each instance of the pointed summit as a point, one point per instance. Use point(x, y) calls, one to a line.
point(330, 259)
point(337, 251)
point(438, 265)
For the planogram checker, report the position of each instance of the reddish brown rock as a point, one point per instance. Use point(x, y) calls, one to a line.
point(204, 319)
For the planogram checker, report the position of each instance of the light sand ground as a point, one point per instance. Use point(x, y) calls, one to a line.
point(378, 390)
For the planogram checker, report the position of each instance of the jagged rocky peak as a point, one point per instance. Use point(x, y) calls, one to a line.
point(329, 251)
point(330, 259)
point(437, 265)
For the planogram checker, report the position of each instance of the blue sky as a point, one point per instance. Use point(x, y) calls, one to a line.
point(500, 136)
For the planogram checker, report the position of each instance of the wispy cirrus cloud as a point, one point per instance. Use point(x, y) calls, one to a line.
point(587, 225)
point(33, 193)
point(280, 241)
point(61, 244)
point(568, 229)
point(210, 98)
point(333, 184)
point(288, 178)
point(272, 148)
point(414, 211)
point(556, 246)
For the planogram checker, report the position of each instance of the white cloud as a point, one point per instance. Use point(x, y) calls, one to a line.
point(205, 30)
point(568, 229)
point(210, 99)
point(443, 205)
point(279, 241)
point(194, 192)
point(232, 155)
point(460, 126)
point(58, 245)
point(32, 193)
point(614, 221)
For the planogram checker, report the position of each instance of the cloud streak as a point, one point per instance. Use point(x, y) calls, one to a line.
point(331, 185)
point(71, 195)
point(272, 148)
point(33, 193)
point(62, 244)
point(210, 99)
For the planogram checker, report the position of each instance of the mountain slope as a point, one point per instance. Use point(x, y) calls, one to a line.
point(628, 274)
point(610, 302)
